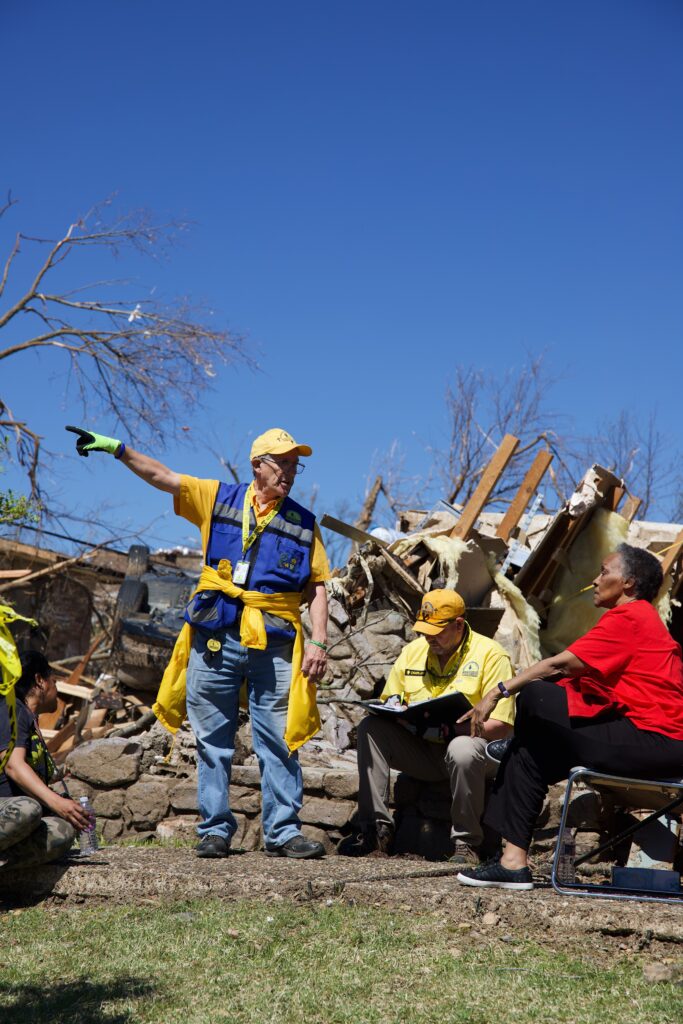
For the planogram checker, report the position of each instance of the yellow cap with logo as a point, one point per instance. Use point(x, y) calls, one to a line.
point(277, 442)
point(439, 608)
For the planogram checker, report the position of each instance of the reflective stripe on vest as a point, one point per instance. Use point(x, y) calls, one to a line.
point(280, 559)
point(223, 513)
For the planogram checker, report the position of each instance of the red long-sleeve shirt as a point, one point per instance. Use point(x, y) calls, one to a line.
point(634, 667)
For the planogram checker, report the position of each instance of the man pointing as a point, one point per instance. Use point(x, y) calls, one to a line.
point(262, 552)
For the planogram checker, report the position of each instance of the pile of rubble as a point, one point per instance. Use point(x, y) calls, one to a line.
point(525, 578)
point(526, 581)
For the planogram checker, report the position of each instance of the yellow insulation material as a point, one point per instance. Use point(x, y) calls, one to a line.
point(572, 613)
point(527, 620)
point(663, 605)
point(447, 550)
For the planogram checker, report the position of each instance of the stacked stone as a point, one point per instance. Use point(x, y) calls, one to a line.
point(360, 657)
point(145, 787)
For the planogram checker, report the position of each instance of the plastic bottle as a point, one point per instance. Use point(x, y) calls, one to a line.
point(566, 872)
point(87, 837)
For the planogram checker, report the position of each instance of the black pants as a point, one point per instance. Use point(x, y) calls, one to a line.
point(547, 745)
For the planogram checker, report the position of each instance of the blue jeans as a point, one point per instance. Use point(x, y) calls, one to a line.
point(213, 686)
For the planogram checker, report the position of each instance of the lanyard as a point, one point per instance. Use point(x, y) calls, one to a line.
point(249, 538)
point(464, 647)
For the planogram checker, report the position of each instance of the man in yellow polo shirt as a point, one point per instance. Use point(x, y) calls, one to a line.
point(447, 656)
point(267, 544)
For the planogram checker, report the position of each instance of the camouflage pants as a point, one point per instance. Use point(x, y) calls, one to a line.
point(26, 837)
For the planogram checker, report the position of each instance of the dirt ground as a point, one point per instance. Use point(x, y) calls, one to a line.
point(121, 875)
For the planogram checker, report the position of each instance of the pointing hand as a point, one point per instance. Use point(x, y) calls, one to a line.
point(90, 442)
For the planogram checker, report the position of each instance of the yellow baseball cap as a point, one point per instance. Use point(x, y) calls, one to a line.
point(439, 608)
point(277, 442)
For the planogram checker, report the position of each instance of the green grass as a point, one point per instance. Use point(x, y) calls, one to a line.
point(213, 962)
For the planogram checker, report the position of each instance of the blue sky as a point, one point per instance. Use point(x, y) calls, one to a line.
point(379, 191)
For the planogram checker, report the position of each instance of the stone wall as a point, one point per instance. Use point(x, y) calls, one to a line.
point(137, 792)
point(146, 787)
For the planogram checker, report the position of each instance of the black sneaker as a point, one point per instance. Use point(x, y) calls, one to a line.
point(377, 840)
point(298, 847)
point(495, 750)
point(492, 873)
point(213, 846)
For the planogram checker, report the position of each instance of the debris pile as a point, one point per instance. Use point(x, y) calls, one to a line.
point(525, 578)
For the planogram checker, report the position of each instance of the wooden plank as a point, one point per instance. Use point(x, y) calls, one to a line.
point(96, 718)
point(524, 494)
point(55, 567)
point(614, 497)
point(352, 532)
point(14, 574)
point(94, 727)
point(365, 517)
point(98, 733)
point(65, 734)
point(74, 691)
point(28, 552)
point(537, 572)
point(630, 509)
point(48, 720)
point(79, 669)
point(402, 573)
point(672, 554)
point(490, 477)
point(108, 558)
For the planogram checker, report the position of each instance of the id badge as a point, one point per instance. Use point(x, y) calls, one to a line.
point(240, 573)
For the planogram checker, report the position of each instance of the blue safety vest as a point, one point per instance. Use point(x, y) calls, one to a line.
point(279, 559)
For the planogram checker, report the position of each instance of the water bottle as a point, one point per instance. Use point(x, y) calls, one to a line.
point(566, 872)
point(87, 837)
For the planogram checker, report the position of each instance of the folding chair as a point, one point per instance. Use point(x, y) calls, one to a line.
point(661, 797)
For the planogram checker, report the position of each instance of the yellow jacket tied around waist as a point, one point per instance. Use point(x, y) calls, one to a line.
point(303, 720)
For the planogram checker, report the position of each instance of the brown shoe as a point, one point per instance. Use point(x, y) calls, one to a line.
point(467, 856)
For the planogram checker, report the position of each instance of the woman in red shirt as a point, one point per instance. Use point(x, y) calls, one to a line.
point(613, 700)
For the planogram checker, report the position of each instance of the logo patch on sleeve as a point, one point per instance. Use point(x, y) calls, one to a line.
point(292, 516)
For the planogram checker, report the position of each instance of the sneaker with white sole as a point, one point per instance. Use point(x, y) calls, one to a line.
point(493, 874)
point(496, 749)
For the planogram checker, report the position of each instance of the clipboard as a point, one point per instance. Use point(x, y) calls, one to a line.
point(424, 714)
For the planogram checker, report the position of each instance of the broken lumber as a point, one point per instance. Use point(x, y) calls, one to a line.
point(365, 517)
point(490, 477)
point(523, 496)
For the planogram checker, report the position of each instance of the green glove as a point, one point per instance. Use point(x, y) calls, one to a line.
point(90, 442)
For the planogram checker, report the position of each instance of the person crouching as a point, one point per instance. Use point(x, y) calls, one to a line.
point(37, 825)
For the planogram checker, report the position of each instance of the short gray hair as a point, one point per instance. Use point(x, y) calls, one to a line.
point(644, 568)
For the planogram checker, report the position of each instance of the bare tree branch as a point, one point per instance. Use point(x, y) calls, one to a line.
point(481, 409)
point(140, 361)
point(9, 203)
point(10, 259)
point(639, 453)
point(27, 446)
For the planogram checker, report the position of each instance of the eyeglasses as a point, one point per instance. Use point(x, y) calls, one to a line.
point(287, 467)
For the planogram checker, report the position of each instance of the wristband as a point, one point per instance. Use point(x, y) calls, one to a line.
point(316, 643)
point(504, 690)
point(119, 451)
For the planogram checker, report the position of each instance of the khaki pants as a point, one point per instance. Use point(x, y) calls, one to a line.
point(26, 837)
point(383, 745)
